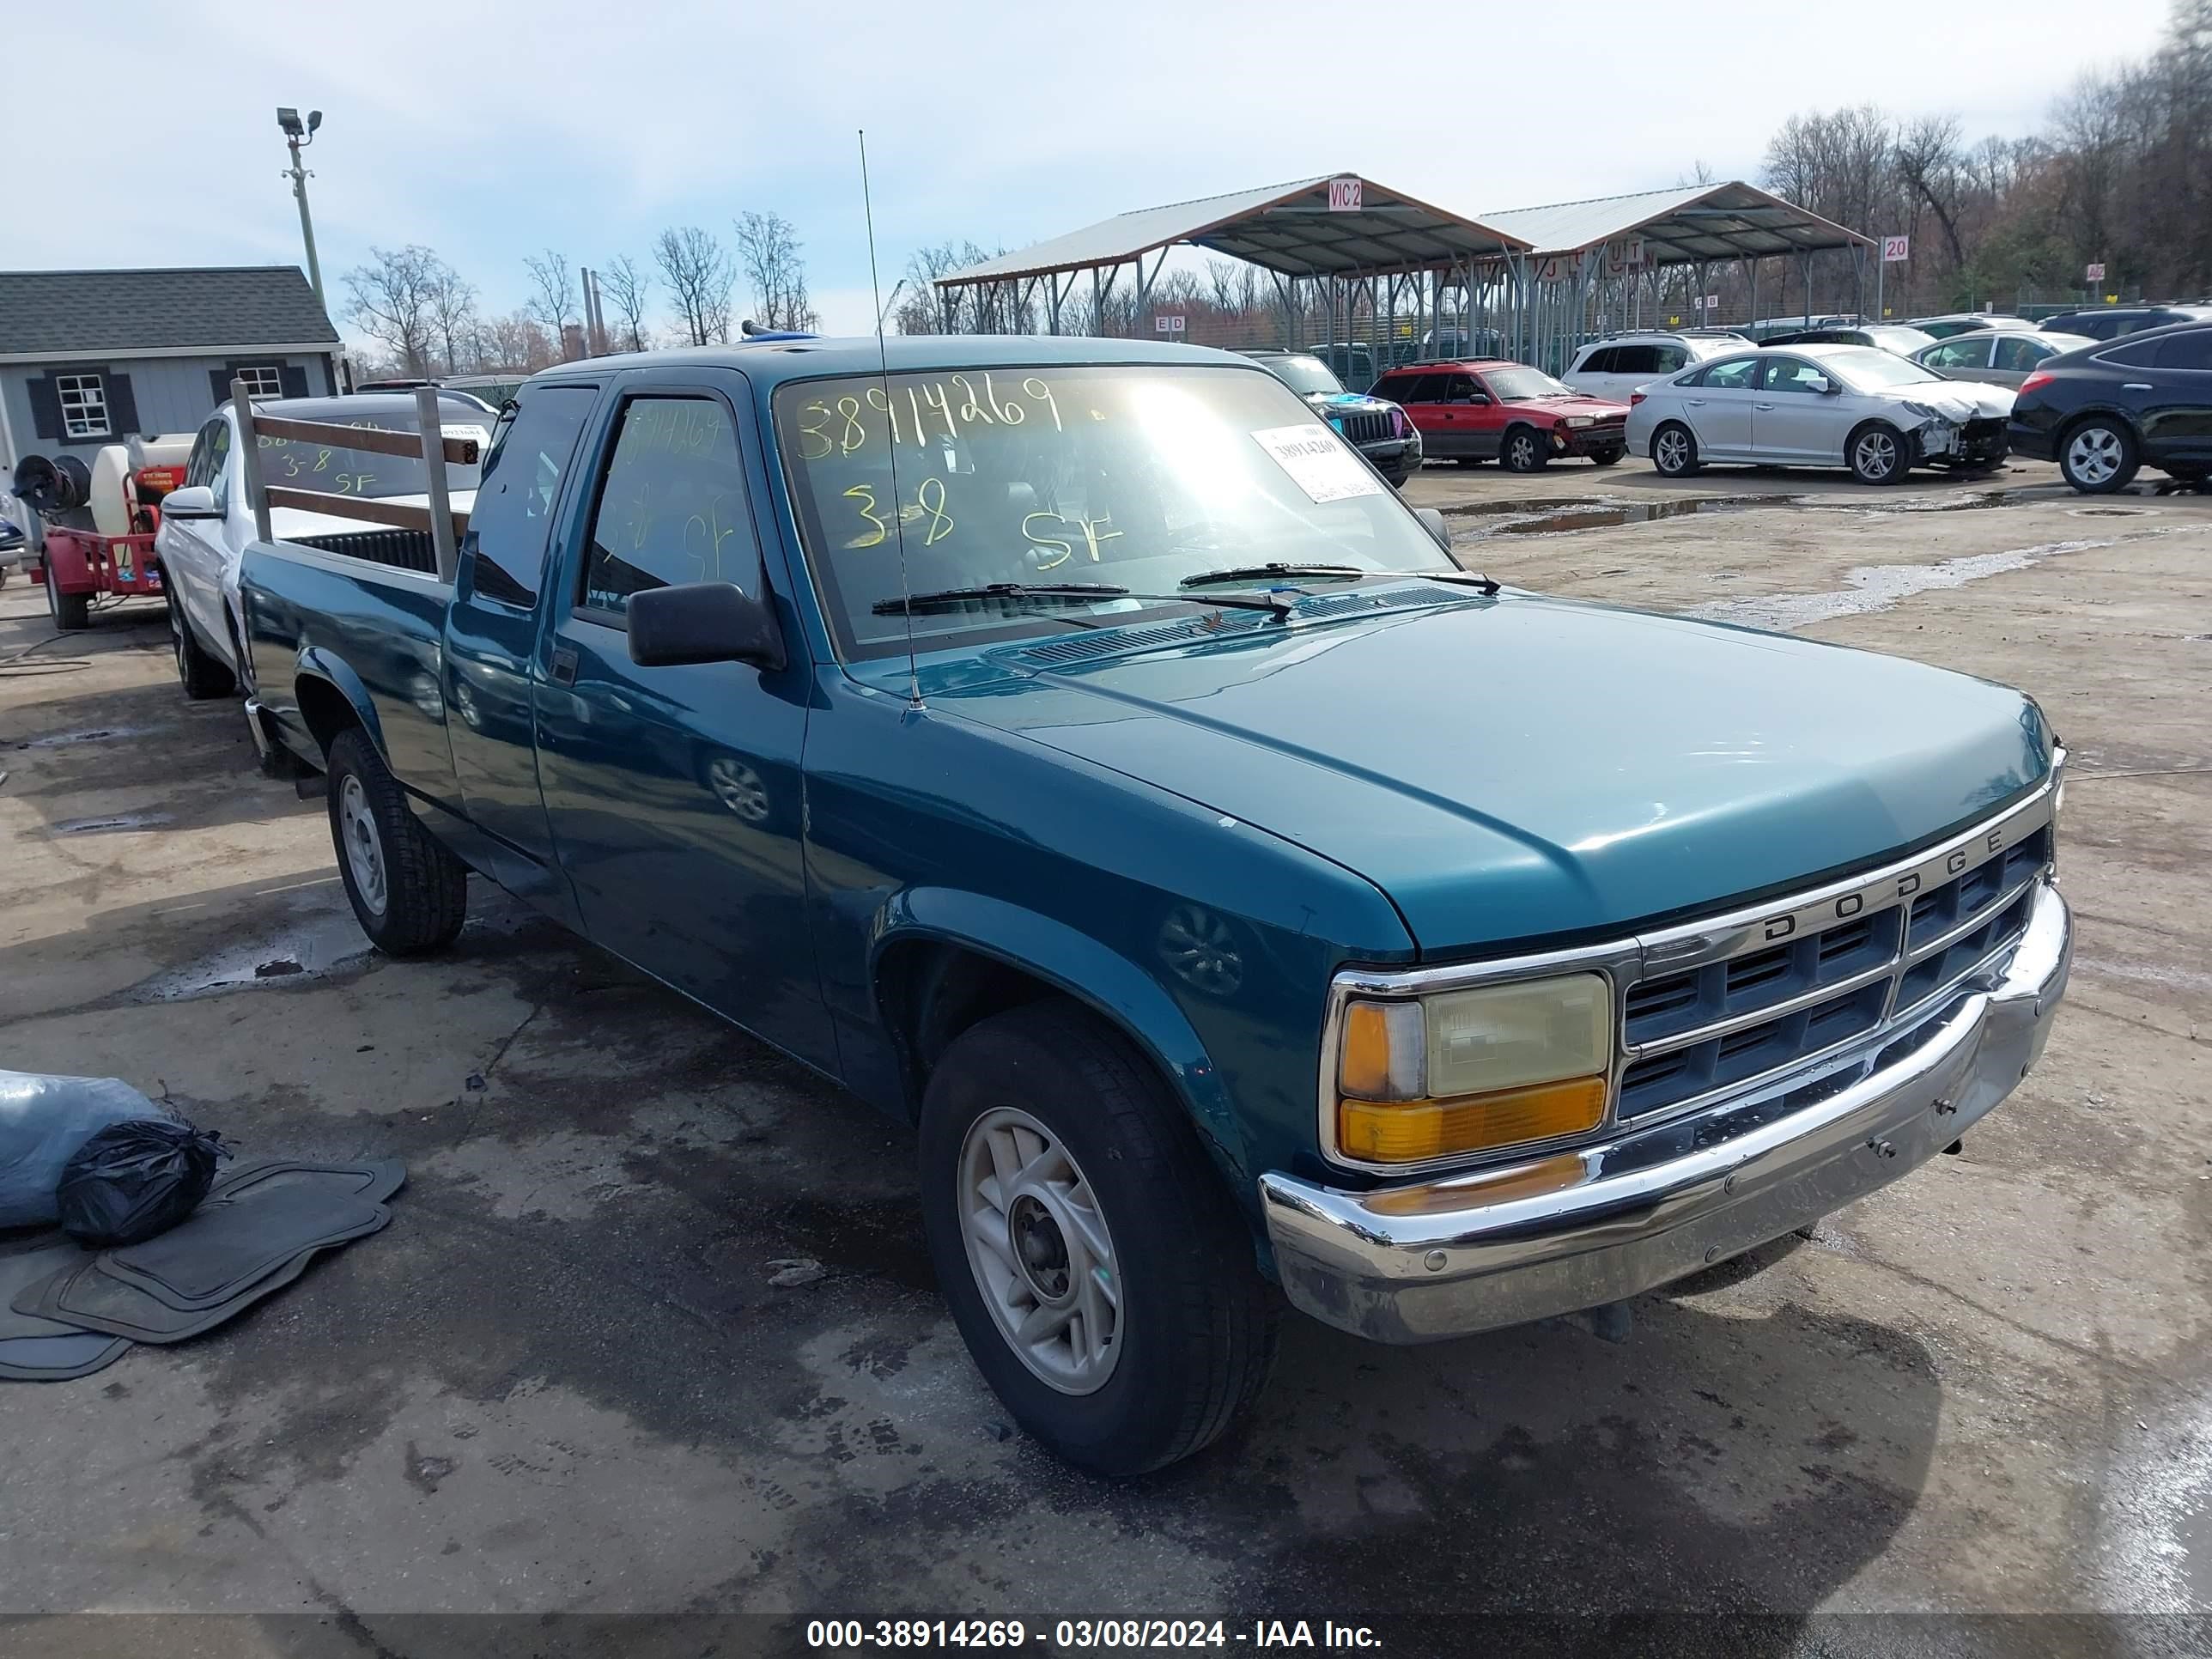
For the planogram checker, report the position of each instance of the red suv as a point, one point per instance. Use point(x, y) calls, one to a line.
point(1487, 409)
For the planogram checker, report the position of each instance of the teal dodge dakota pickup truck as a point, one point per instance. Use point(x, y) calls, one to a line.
point(1075, 749)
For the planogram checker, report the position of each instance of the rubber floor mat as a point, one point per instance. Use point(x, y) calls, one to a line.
point(34, 1349)
point(252, 1222)
point(255, 1233)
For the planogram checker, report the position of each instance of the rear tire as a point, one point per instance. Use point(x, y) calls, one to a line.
point(409, 893)
point(199, 673)
point(2098, 456)
point(1522, 450)
point(1674, 451)
point(70, 611)
point(1878, 454)
point(1605, 457)
point(1060, 1177)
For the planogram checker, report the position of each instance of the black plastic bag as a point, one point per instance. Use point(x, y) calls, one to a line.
point(133, 1181)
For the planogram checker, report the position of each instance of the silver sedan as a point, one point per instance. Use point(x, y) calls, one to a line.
point(1818, 405)
point(1996, 356)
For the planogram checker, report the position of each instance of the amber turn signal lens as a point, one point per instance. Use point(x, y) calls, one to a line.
point(1412, 1131)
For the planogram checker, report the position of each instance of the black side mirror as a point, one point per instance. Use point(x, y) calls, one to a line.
point(702, 621)
point(1479, 398)
point(1433, 522)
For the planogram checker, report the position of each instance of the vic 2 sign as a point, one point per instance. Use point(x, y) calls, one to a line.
point(1344, 195)
point(1896, 250)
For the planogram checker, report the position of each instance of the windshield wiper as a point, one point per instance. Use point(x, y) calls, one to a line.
point(1341, 572)
point(1259, 573)
point(1065, 592)
point(1074, 592)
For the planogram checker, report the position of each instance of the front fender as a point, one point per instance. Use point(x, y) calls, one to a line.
point(1090, 972)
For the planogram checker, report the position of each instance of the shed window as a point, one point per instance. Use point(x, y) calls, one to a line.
point(262, 380)
point(84, 405)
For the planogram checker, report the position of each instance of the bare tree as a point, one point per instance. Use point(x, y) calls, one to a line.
point(516, 343)
point(390, 300)
point(552, 291)
point(699, 274)
point(1930, 159)
point(627, 286)
point(768, 257)
point(453, 313)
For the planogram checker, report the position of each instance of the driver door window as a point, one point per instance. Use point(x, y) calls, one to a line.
point(2018, 354)
point(1794, 375)
point(672, 507)
point(1733, 376)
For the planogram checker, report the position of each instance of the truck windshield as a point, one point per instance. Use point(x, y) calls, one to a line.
point(1138, 477)
point(336, 470)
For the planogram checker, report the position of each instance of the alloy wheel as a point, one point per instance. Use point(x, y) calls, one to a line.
point(2094, 455)
point(1673, 452)
point(1874, 456)
point(1040, 1250)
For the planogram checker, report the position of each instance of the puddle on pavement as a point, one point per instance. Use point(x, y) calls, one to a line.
point(1878, 587)
point(90, 734)
point(113, 821)
point(1537, 516)
point(306, 951)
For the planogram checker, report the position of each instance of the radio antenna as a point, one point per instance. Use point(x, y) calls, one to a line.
point(883, 373)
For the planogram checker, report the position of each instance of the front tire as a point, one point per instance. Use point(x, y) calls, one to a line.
point(1878, 454)
point(2098, 456)
point(1524, 451)
point(199, 673)
point(1102, 1277)
point(70, 611)
point(1674, 451)
point(410, 894)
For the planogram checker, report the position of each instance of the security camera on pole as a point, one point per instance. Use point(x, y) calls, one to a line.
point(298, 138)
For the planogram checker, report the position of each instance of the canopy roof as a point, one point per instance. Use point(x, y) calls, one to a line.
point(1684, 226)
point(1290, 228)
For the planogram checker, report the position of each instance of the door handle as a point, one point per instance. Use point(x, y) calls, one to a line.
point(1695, 403)
point(564, 666)
point(2137, 386)
point(1767, 406)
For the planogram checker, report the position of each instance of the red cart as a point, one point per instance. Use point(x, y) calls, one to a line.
point(78, 563)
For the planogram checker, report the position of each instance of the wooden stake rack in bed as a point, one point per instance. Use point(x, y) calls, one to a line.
point(440, 520)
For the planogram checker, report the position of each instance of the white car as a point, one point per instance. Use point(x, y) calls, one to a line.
point(1996, 356)
point(1818, 405)
point(206, 521)
point(1616, 366)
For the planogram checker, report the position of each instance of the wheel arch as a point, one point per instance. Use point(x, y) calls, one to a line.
point(331, 698)
point(944, 959)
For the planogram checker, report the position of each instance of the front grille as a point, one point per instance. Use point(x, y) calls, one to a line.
point(1794, 985)
point(1369, 428)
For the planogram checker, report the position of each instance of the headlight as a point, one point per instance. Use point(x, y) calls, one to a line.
point(1582, 420)
point(1475, 1070)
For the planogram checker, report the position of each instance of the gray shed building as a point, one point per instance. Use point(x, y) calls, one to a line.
point(92, 357)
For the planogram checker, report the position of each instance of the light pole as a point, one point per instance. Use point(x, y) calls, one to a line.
point(889, 303)
point(297, 138)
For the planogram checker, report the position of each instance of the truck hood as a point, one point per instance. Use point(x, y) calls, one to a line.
point(1523, 768)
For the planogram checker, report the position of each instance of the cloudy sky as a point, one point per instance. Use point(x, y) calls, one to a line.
point(144, 134)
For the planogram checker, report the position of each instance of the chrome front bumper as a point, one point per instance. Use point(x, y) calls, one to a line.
point(1504, 1246)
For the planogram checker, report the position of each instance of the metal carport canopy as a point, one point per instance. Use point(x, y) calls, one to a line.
point(1288, 229)
point(1689, 225)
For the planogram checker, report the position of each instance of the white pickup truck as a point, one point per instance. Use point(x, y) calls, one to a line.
point(207, 521)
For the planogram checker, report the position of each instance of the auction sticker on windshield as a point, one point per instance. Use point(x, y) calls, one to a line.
point(1318, 462)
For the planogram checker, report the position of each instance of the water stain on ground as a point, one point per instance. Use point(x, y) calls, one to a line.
point(299, 953)
point(1537, 516)
point(112, 821)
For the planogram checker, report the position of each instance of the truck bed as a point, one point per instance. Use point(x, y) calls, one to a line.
point(356, 615)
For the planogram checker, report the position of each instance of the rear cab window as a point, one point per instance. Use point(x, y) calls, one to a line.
point(511, 523)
